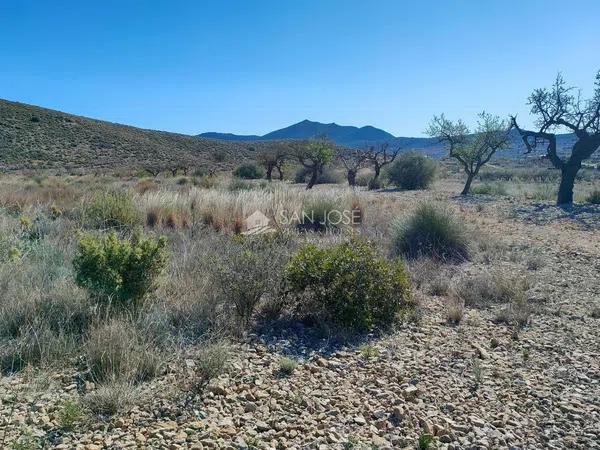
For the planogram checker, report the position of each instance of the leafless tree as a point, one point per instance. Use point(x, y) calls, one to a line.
point(561, 107)
point(353, 160)
point(380, 157)
point(272, 158)
point(472, 151)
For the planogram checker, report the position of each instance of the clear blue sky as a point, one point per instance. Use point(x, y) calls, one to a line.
point(255, 66)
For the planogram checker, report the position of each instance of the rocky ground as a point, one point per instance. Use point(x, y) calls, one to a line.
point(478, 384)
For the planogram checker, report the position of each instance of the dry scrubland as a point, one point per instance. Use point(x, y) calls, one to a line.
point(240, 342)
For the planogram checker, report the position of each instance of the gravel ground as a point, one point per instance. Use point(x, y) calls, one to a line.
point(478, 384)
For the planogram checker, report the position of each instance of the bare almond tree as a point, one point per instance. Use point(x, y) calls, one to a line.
point(380, 157)
point(353, 160)
point(562, 108)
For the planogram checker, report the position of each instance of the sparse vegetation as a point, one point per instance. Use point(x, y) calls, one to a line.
point(433, 232)
point(309, 284)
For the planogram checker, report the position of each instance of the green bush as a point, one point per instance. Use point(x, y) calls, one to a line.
point(321, 214)
point(431, 232)
point(249, 171)
point(122, 270)
point(412, 171)
point(496, 189)
point(112, 210)
point(349, 284)
point(69, 415)
point(594, 197)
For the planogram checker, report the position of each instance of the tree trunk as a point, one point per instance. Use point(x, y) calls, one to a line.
point(352, 177)
point(467, 187)
point(270, 172)
point(375, 178)
point(313, 177)
point(567, 182)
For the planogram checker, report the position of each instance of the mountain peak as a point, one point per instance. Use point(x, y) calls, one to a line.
point(306, 129)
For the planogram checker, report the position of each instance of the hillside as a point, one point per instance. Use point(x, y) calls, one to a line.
point(39, 138)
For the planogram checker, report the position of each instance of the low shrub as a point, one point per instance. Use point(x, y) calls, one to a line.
point(349, 284)
point(110, 398)
point(431, 232)
point(237, 185)
point(115, 350)
point(211, 361)
point(454, 309)
point(249, 171)
point(123, 271)
point(36, 345)
point(168, 217)
point(412, 171)
point(69, 415)
point(363, 177)
point(112, 210)
point(248, 270)
point(496, 189)
point(286, 366)
point(487, 288)
point(320, 214)
point(594, 197)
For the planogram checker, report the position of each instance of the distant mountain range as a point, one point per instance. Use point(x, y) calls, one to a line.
point(340, 134)
point(366, 136)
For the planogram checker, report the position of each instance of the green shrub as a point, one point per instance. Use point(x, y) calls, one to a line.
point(320, 214)
point(431, 232)
point(122, 270)
point(349, 284)
point(496, 189)
point(112, 210)
point(249, 171)
point(69, 414)
point(287, 366)
point(594, 197)
point(412, 171)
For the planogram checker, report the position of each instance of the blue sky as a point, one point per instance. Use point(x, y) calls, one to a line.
point(255, 66)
